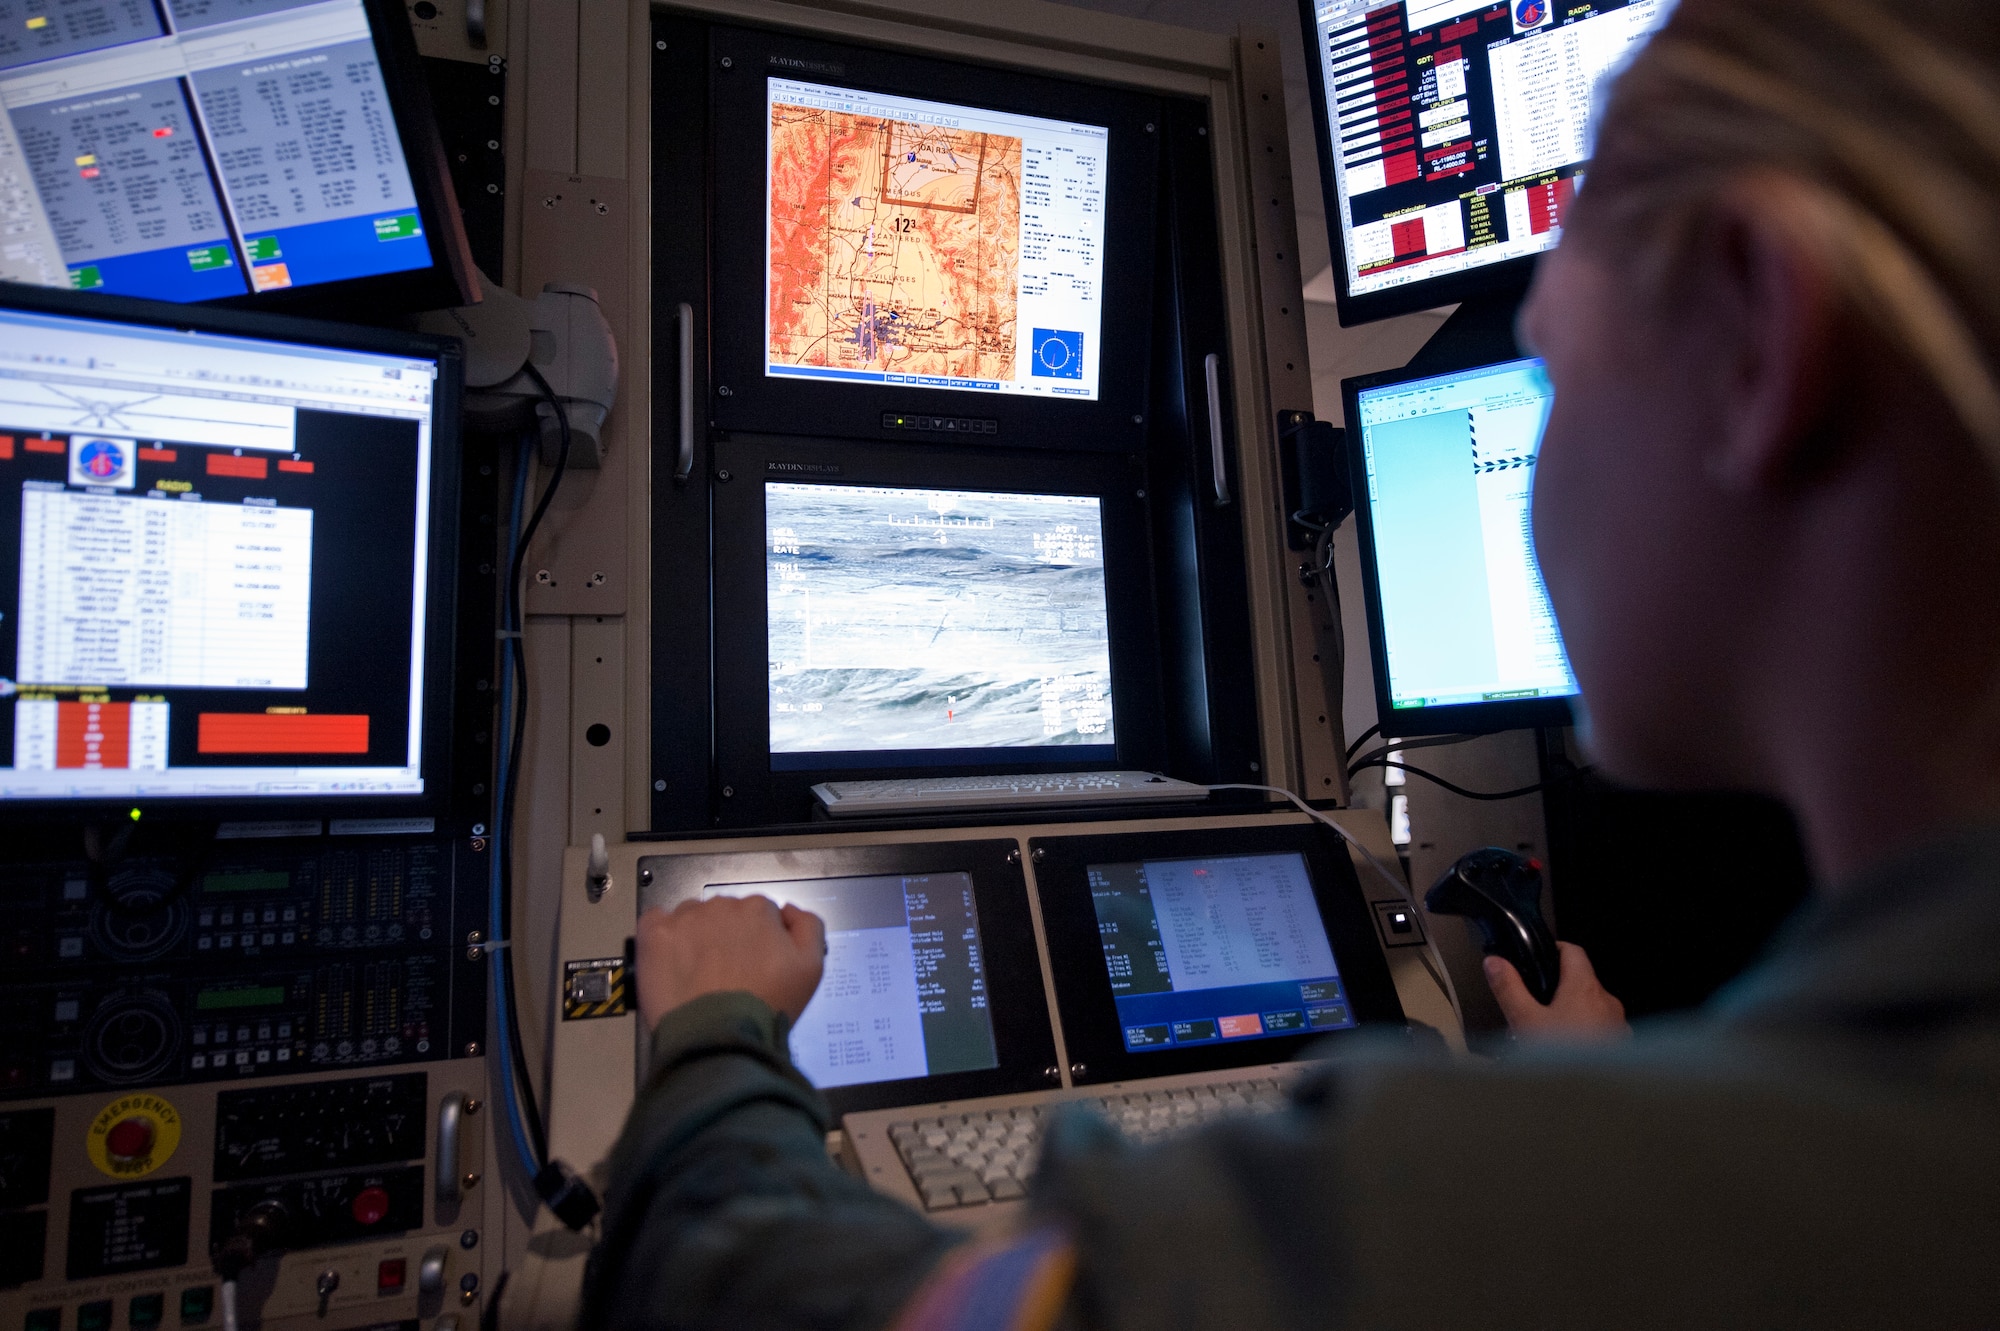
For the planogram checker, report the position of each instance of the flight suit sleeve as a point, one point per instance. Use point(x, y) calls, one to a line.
point(722, 1208)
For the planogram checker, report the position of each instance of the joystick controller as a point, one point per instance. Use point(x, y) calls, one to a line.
point(1501, 894)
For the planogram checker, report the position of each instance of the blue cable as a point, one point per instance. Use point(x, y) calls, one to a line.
point(501, 1052)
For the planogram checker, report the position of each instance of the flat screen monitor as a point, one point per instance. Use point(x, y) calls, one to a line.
point(1463, 635)
point(931, 245)
point(269, 151)
point(1207, 948)
point(1226, 947)
point(933, 983)
point(914, 249)
point(904, 991)
point(225, 569)
point(1453, 136)
point(911, 625)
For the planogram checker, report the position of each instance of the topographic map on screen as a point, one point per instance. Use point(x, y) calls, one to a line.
point(895, 245)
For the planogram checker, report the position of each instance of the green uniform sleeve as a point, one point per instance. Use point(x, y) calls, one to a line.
point(722, 1208)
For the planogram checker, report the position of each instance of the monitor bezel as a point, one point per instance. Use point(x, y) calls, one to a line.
point(1090, 1021)
point(742, 397)
point(1503, 277)
point(1478, 718)
point(1016, 999)
point(441, 661)
point(754, 790)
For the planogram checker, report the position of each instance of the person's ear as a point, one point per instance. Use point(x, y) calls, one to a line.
point(1775, 288)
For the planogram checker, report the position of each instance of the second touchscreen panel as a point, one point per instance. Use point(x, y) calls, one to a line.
point(1226, 948)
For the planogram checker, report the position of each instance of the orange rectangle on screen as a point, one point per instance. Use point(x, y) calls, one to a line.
point(7, 446)
point(1240, 1026)
point(250, 469)
point(290, 464)
point(261, 732)
point(45, 445)
point(93, 734)
point(159, 454)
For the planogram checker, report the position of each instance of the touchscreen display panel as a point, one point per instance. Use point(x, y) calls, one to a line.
point(904, 994)
point(930, 245)
point(1200, 951)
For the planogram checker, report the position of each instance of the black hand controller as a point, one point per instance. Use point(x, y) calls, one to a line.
point(1501, 893)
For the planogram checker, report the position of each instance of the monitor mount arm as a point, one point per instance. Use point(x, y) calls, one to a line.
point(561, 333)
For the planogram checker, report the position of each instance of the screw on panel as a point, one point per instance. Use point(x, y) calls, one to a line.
point(660, 784)
point(472, 1049)
point(645, 877)
point(723, 476)
point(1039, 855)
point(1014, 855)
point(729, 792)
point(659, 46)
point(469, 1182)
point(1052, 1073)
point(727, 62)
point(544, 577)
point(1078, 1069)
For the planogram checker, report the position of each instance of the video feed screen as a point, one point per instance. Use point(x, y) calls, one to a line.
point(928, 245)
point(191, 150)
point(213, 562)
point(1201, 951)
point(1460, 129)
point(904, 993)
point(907, 621)
point(1451, 471)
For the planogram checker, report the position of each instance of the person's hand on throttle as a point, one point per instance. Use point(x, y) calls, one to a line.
point(728, 944)
point(1582, 1009)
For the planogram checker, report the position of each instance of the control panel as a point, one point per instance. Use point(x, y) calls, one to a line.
point(372, 1186)
point(239, 961)
point(284, 1034)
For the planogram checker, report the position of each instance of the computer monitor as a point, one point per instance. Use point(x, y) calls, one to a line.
point(1464, 639)
point(1197, 950)
point(885, 611)
point(280, 153)
point(933, 987)
point(911, 249)
point(911, 624)
point(1220, 947)
point(904, 993)
point(1453, 135)
point(226, 558)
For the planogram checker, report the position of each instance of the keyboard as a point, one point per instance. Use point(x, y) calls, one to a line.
point(858, 799)
point(959, 1160)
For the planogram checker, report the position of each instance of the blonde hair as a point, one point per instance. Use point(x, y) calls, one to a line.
point(1887, 113)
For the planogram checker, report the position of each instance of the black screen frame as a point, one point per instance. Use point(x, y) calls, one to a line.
point(1506, 277)
point(1016, 998)
point(441, 656)
point(753, 789)
point(1090, 1022)
point(742, 397)
point(1476, 718)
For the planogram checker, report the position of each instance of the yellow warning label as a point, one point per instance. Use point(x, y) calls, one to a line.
point(133, 1135)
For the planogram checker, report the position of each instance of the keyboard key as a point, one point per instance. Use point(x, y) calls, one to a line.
point(1007, 1189)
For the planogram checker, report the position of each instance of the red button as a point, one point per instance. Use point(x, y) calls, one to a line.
point(389, 1275)
point(370, 1205)
point(130, 1139)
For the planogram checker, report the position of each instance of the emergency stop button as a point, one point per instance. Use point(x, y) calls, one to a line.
point(370, 1205)
point(130, 1138)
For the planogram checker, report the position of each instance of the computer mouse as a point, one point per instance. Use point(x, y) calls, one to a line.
point(1501, 893)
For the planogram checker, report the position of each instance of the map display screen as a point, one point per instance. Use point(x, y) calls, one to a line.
point(902, 621)
point(923, 244)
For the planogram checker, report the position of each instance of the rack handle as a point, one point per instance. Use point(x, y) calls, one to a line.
point(1212, 369)
point(686, 466)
